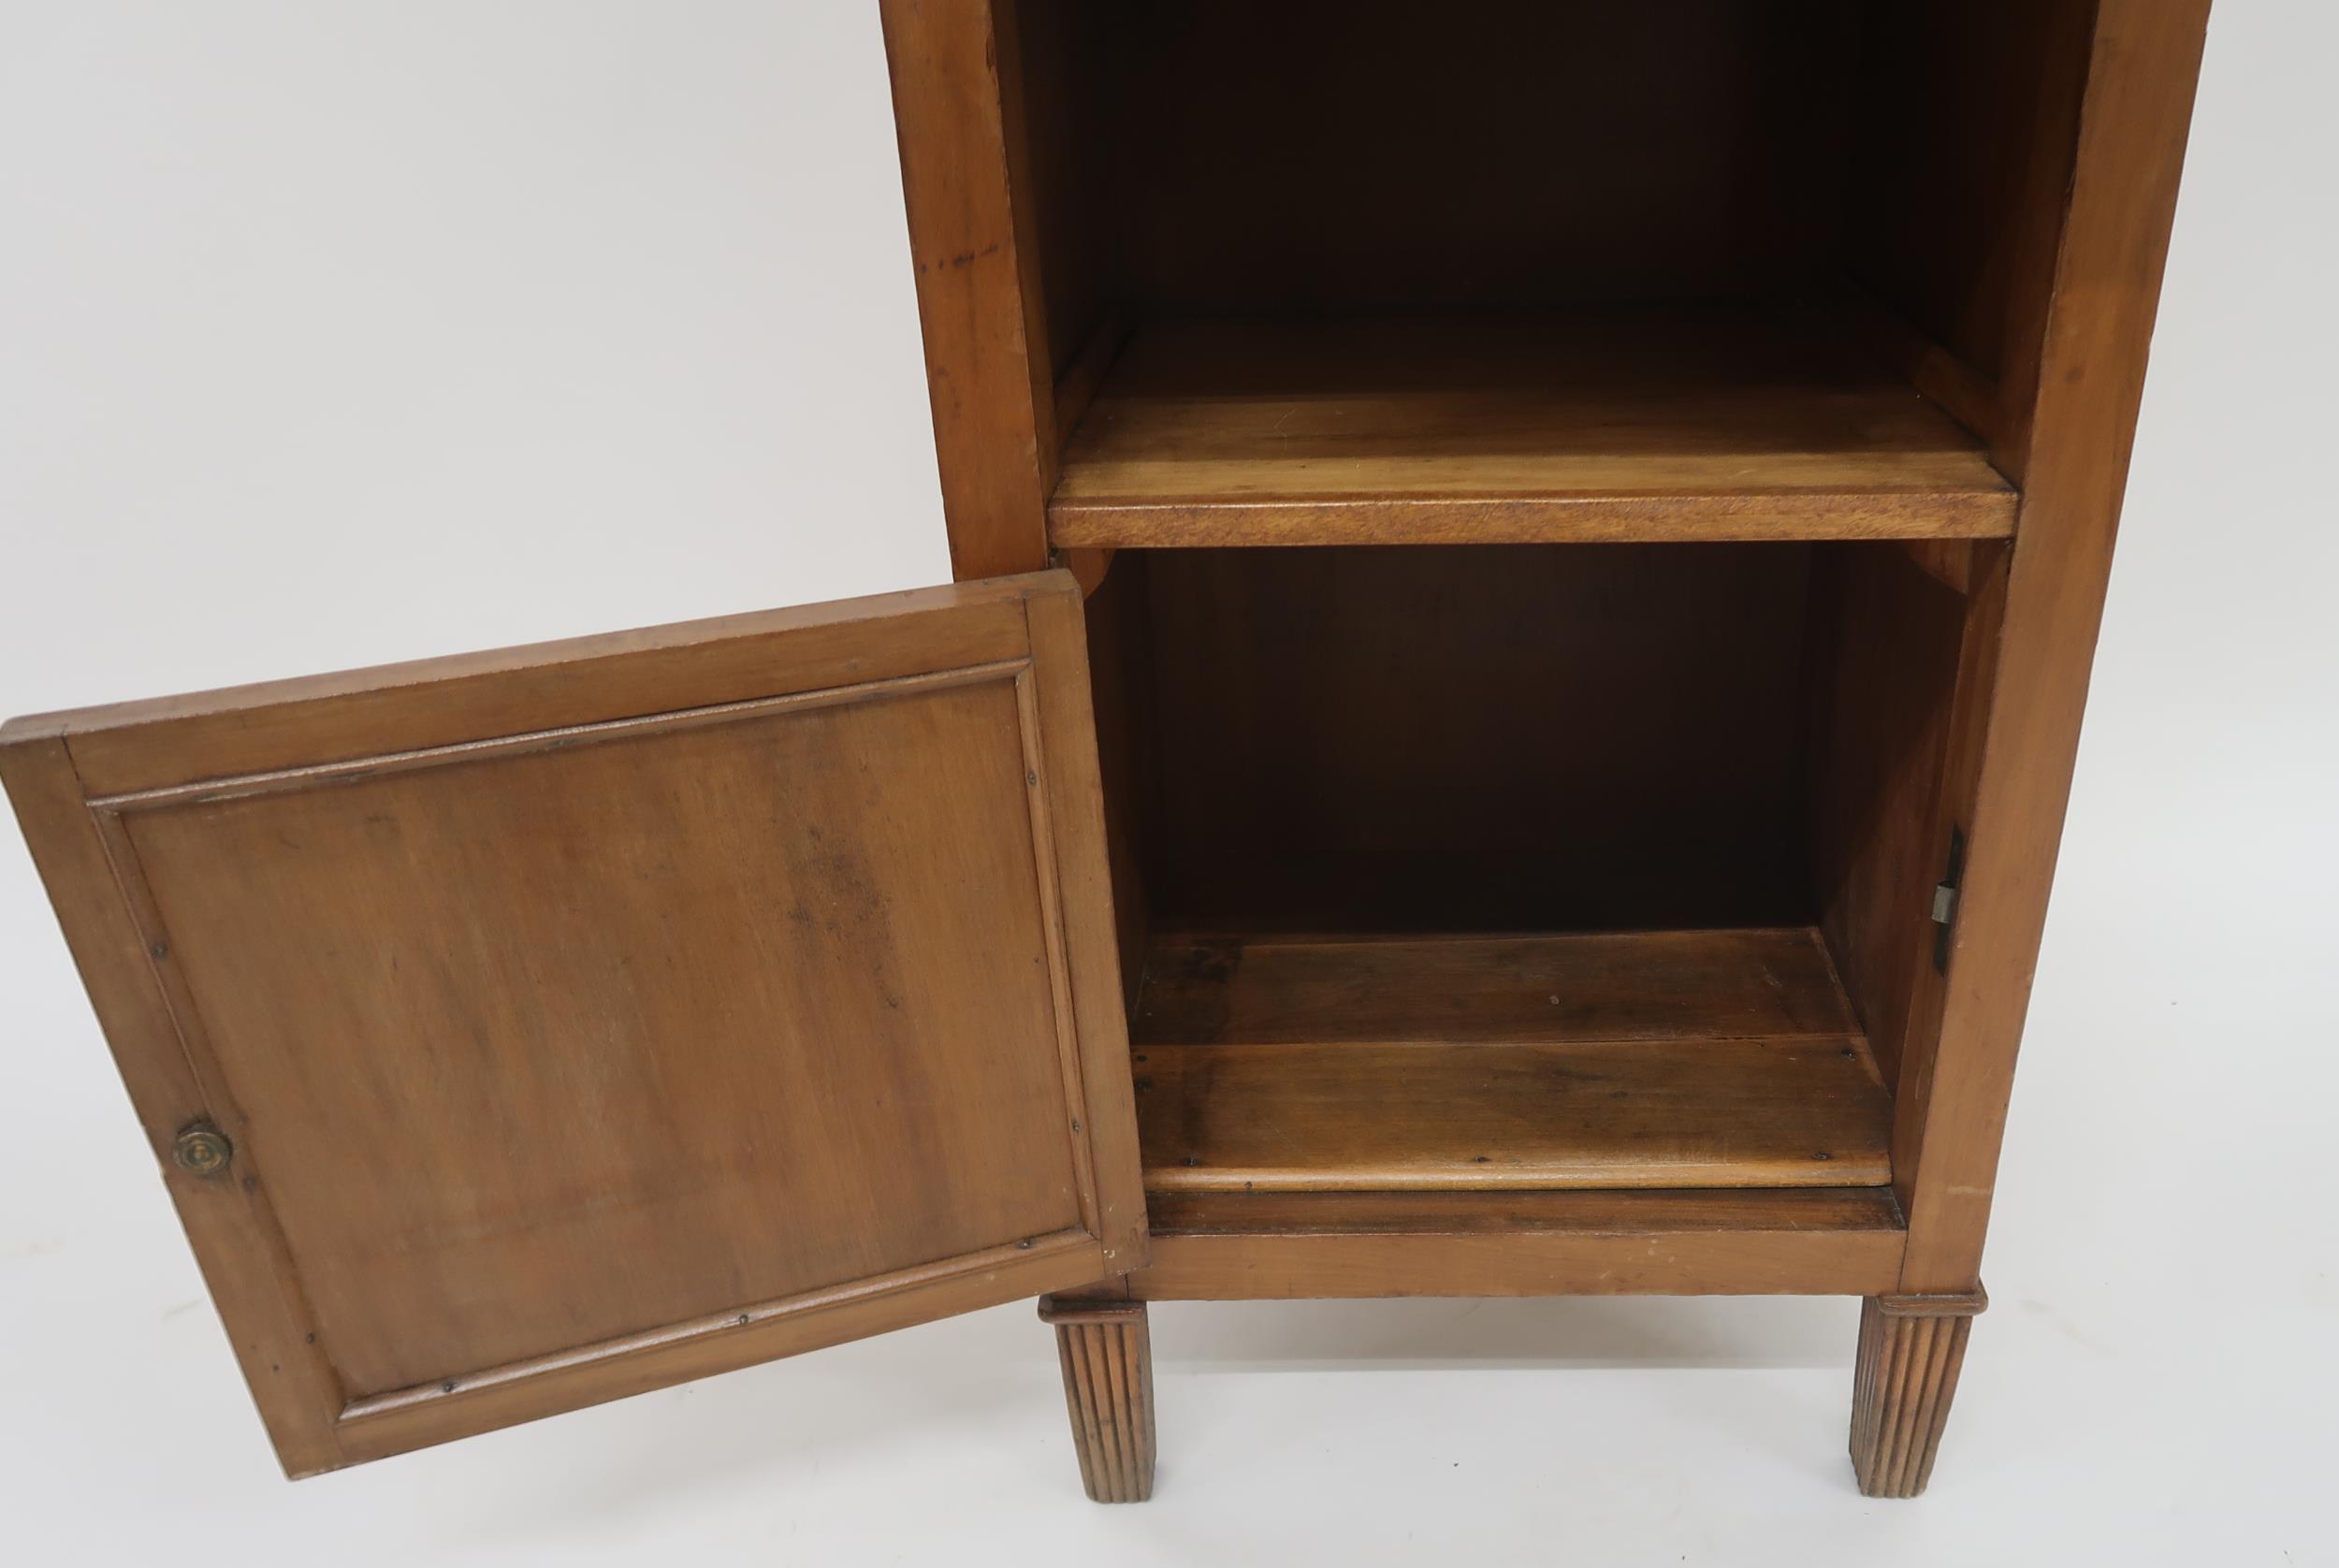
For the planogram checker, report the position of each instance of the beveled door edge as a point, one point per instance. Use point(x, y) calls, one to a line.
point(714, 1326)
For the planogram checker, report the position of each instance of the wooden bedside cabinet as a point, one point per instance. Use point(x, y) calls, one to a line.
point(1586, 527)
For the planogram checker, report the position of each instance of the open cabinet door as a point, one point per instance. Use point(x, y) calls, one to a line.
point(523, 1030)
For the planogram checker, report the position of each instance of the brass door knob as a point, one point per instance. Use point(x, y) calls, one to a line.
point(202, 1150)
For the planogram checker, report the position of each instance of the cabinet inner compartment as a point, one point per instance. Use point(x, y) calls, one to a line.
point(1521, 867)
point(1340, 271)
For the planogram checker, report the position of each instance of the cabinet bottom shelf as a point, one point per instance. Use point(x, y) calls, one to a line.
point(1271, 1063)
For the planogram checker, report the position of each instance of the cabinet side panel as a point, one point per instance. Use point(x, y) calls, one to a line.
point(2144, 62)
point(1885, 641)
point(987, 363)
point(1064, 148)
point(1963, 127)
point(1120, 661)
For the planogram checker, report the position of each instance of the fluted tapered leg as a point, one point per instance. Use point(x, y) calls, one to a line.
point(1108, 1361)
point(1910, 1350)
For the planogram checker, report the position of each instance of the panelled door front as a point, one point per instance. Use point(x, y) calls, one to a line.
point(523, 1030)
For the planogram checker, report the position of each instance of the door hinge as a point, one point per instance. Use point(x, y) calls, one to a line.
point(1945, 899)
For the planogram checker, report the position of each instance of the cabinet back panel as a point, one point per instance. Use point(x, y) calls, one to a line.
point(1521, 737)
point(1354, 153)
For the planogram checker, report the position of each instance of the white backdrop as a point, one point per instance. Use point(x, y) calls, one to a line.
point(337, 332)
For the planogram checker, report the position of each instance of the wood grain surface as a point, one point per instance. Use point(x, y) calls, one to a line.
point(1676, 423)
point(1752, 1240)
point(590, 1016)
point(1669, 1059)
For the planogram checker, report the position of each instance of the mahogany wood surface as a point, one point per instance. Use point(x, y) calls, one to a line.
point(1106, 1350)
point(591, 1016)
point(1120, 658)
point(1493, 737)
point(1918, 1055)
point(1904, 1376)
point(1287, 1246)
point(1697, 1112)
point(1884, 658)
point(563, 1022)
point(1668, 1059)
point(1653, 423)
point(988, 368)
point(1963, 121)
point(1063, 178)
point(1292, 988)
point(2144, 62)
point(1343, 155)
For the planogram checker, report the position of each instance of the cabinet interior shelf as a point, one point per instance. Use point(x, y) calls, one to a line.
point(1666, 1059)
point(1645, 422)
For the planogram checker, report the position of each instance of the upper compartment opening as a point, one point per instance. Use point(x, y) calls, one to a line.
point(1319, 272)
